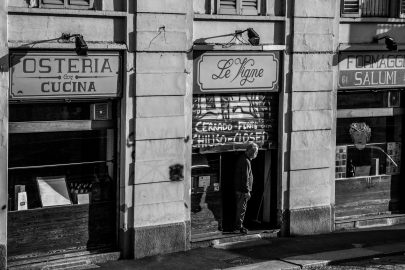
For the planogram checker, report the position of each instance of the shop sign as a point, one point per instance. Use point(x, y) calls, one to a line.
point(64, 75)
point(371, 70)
point(237, 72)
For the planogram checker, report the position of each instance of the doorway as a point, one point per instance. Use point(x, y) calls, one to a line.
point(261, 212)
point(213, 194)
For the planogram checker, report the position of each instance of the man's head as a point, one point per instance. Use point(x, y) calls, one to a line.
point(251, 150)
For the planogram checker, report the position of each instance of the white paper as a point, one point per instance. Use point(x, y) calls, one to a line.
point(53, 191)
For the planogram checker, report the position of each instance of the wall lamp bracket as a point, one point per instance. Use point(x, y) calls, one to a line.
point(389, 42)
point(253, 36)
point(81, 47)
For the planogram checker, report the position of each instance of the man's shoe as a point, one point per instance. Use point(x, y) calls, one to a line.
point(243, 230)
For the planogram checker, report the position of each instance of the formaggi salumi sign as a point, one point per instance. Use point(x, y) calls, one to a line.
point(236, 72)
point(64, 75)
point(371, 70)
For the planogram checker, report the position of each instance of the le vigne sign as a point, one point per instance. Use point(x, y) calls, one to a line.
point(234, 72)
point(64, 75)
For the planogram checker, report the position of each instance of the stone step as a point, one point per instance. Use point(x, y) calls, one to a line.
point(369, 221)
point(237, 240)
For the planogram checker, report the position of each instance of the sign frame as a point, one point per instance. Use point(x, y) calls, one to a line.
point(111, 89)
point(371, 70)
point(271, 86)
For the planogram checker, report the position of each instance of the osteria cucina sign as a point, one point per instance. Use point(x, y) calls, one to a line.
point(36, 75)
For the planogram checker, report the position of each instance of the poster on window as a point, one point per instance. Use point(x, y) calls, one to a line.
point(394, 160)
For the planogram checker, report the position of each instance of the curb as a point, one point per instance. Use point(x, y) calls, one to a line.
point(326, 258)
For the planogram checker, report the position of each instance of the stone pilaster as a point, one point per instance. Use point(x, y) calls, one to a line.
point(311, 166)
point(163, 95)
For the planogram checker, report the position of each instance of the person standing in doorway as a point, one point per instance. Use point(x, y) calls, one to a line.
point(243, 181)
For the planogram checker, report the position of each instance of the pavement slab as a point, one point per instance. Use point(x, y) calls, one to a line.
point(283, 253)
point(269, 265)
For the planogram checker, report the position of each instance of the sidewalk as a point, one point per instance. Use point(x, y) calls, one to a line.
point(279, 253)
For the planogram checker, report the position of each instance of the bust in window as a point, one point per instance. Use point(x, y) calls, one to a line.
point(360, 156)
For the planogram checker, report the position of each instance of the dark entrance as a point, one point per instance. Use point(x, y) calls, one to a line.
point(262, 206)
point(223, 124)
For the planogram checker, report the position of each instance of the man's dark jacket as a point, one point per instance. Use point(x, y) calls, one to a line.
point(243, 178)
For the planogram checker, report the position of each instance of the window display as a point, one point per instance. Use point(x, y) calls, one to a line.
point(71, 165)
point(61, 187)
point(371, 144)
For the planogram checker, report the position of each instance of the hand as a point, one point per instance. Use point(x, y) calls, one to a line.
point(247, 195)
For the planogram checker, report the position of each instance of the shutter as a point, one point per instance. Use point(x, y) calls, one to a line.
point(82, 4)
point(52, 3)
point(350, 8)
point(402, 9)
point(225, 113)
point(375, 8)
point(250, 7)
point(227, 6)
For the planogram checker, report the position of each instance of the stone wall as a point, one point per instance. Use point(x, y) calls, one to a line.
point(3, 131)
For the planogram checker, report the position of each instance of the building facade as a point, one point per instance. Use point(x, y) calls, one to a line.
point(122, 121)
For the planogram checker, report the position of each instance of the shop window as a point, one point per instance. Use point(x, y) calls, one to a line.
point(63, 148)
point(369, 134)
point(372, 8)
point(72, 4)
point(239, 7)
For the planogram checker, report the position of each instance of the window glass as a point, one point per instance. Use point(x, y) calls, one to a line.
point(368, 99)
point(49, 112)
point(77, 165)
point(33, 149)
point(368, 146)
point(92, 180)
